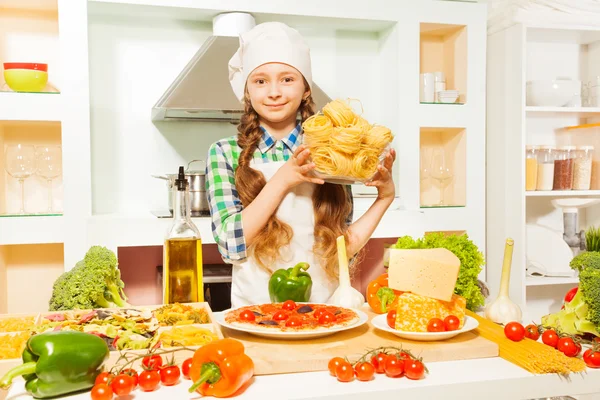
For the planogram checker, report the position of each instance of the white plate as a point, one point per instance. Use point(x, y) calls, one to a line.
point(380, 322)
point(275, 334)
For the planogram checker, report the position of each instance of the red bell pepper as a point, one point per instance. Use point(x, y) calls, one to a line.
point(220, 368)
point(380, 296)
point(570, 294)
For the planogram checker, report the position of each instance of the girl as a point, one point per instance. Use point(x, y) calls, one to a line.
point(268, 211)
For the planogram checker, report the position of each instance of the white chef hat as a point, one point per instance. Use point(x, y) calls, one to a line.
point(266, 43)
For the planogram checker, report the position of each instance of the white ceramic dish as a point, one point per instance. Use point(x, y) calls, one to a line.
point(380, 322)
point(275, 334)
point(552, 93)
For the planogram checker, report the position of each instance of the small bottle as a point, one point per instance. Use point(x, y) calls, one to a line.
point(182, 261)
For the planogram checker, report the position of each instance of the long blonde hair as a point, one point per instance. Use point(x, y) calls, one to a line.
point(332, 204)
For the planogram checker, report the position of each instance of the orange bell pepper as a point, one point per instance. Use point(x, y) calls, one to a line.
point(380, 296)
point(220, 368)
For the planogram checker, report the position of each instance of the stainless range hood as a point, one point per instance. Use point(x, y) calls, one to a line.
point(202, 90)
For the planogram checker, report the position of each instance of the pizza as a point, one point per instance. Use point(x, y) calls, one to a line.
point(292, 317)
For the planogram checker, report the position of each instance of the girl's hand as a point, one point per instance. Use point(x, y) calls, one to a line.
point(297, 169)
point(383, 178)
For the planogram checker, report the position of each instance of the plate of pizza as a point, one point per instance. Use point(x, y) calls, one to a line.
point(290, 320)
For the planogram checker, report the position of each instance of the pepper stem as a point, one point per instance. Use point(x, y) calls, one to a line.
point(210, 373)
point(23, 369)
point(296, 269)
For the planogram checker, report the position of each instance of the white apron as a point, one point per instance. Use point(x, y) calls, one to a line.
point(250, 282)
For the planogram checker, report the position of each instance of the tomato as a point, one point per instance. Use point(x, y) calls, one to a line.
point(293, 322)
point(247, 315)
point(327, 318)
point(570, 294)
point(532, 332)
point(289, 305)
point(344, 372)
point(414, 369)
point(102, 391)
point(280, 315)
point(592, 358)
point(104, 377)
point(391, 319)
point(169, 375)
point(514, 331)
point(435, 325)
point(152, 362)
point(133, 373)
point(567, 346)
point(378, 362)
point(185, 368)
point(318, 312)
point(451, 323)
point(394, 366)
point(364, 371)
point(149, 380)
point(122, 385)
point(333, 363)
point(550, 338)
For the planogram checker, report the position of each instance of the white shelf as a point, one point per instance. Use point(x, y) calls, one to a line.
point(562, 193)
point(580, 111)
point(550, 280)
point(31, 230)
point(30, 106)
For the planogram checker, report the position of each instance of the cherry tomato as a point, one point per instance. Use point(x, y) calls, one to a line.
point(550, 338)
point(122, 384)
point(133, 373)
point(327, 318)
point(185, 368)
point(344, 372)
point(280, 315)
point(293, 322)
point(592, 358)
point(152, 362)
point(414, 369)
point(104, 377)
point(169, 375)
point(318, 312)
point(532, 332)
point(102, 391)
point(333, 363)
point(289, 305)
point(451, 323)
point(364, 371)
point(514, 331)
point(391, 319)
point(247, 315)
point(378, 362)
point(567, 346)
point(149, 380)
point(394, 366)
point(435, 325)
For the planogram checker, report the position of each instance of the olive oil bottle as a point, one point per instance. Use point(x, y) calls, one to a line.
point(182, 260)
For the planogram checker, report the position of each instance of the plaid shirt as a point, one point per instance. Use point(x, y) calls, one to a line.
point(225, 204)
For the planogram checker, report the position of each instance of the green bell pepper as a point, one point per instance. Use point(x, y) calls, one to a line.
point(59, 362)
point(291, 284)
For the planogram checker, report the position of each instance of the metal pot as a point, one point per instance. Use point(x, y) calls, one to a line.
point(197, 182)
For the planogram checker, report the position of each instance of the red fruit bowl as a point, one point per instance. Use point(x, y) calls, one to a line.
point(33, 66)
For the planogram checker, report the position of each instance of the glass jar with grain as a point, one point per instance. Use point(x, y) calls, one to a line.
point(582, 167)
point(545, 168)
point(563, 168)
point(531, 167)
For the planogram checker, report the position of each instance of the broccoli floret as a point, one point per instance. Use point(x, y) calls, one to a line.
point(589, 284)
point(588, 259)
point(94, 282)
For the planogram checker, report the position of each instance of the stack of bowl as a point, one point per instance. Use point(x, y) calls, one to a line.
point(26, 77)
point(447, 96)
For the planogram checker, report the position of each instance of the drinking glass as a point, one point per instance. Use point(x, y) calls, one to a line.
point(49, 166)
point(19, 162)
point(441, 171)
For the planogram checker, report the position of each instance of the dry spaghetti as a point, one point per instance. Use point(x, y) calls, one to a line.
point(344, 144)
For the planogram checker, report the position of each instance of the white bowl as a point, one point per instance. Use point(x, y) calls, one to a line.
point(380, 322)
point(552, 93)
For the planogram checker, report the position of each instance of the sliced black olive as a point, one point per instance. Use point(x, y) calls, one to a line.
point(337, 312)
point(103, 314)
point(257, 314)
point(147, 335)
point(268, 322)
point(304, 309)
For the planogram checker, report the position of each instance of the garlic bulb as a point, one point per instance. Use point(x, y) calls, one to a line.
point(345, 295)
point(503, 310)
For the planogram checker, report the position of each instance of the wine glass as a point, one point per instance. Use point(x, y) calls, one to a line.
point(19, 162)
point(49, 166)
point(425, 165)
point(441, 172)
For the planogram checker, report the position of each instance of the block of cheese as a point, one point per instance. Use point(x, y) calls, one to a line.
point(427, 272)
point(414, 312)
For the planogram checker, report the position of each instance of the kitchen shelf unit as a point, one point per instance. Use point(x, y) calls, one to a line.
point(516, 55)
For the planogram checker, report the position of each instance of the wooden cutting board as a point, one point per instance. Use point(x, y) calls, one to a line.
point(288, 356)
